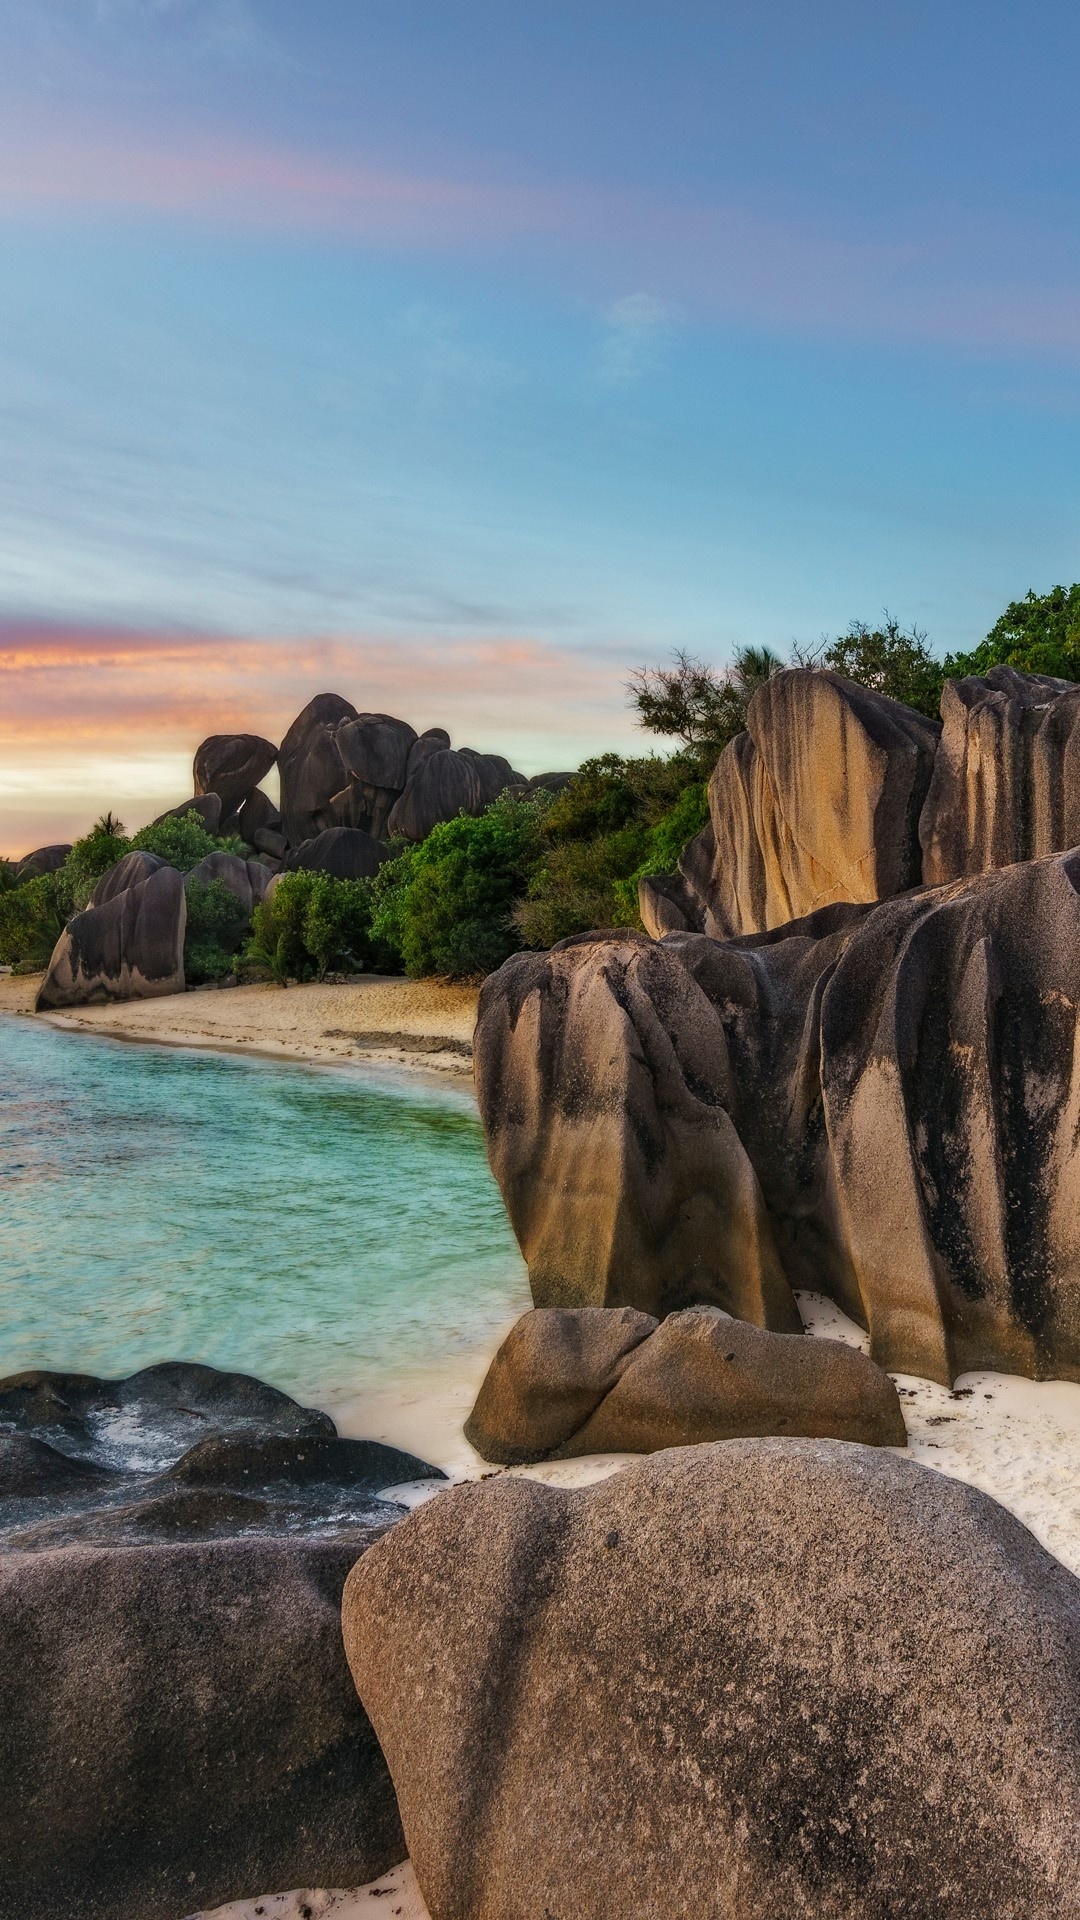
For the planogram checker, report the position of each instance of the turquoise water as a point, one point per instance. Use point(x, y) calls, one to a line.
point(325, 1229)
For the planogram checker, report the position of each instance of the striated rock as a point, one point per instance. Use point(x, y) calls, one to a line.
point(878, 1101)
point(551, 1372)
point(496, 773)
point(552, 1392)
point(42, 860)
point(129, 948)
point(439, 788)
point(375, 748)
point(435, 740)
point(773, 1679)
point(818, 801)
point(128, 870)
point(177, 1721)
point(205, 806)
point(231, 765)
point(247, 879)
point(1006, 781)
point(311, 767)
point(345, 852)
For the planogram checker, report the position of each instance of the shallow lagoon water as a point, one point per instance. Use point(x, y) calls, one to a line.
point(327, 1229)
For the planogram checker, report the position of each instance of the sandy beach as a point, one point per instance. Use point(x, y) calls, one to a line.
point(421, 1025)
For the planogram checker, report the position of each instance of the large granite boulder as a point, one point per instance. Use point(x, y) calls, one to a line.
point(496, 773)
point(177, 1723)
point(258, 815)
point(878, 1101)
point(375, 748)
point(439, 787)
point(818, 801)
point(42, 860)
point(563, 1384)
point(434, 740)
point(231, 765)
point(130, 868)
point(206, 807)
point(1006, 781)
point(311, 767)
point(247, 879)
point(129, 948)
point(772, 1679)
point(348, 853)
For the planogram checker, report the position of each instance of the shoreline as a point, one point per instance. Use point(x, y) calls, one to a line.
point(413, 1026)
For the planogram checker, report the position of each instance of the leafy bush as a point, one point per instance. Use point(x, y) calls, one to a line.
point(216, 925)
point(448, 904)
point(311, 925)
point(32, 918)
point(887, 659)
point(7, 876)
point(698, 705)
point(184, 842)
point(1038, 634)
point(90, 857)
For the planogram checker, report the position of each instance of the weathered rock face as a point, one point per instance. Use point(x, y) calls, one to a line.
point(133, 867)
point(818, 801)
point(231, 765)
point(776, 1679)
point(205, 806)
point(1006, 782)
point(247, 879)
point(345, 852)
point(698, 1376)
point(257, 815)
point(439, 788)
point(177, 1722)
point(42, 860)
point(312, 769)
point(129, 948)
point(878, 1101)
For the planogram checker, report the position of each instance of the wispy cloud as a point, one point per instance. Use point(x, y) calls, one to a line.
point(636, 328)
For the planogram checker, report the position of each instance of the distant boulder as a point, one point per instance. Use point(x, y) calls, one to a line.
point(551, 782)
point(771, 1679)
point(205, 806)
point(496, 773)
point(567, 1382)
point(129, 948)
point(247, 879)
point(347, 853)
point(133, 867)
point(231, 765)
point(441, 787)
point(435, 740)
point(311, 767)
point(375, 748)
point(42, 860)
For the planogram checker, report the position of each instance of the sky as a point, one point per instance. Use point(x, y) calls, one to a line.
point(460, 357)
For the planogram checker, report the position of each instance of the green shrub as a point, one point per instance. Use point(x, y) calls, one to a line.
point(888, 660)
point(448, 905)
point(1038, 634)
point(216, 925)
point(32, 918)
point(312, 925)
point(90, 857)
point(184, 841)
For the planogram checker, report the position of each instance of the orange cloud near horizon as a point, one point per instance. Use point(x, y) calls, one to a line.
point(94, 717)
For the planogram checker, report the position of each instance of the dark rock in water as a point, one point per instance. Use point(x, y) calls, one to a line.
point(42, 860)
point(1006, 781)
point(311, 767)
point(130, 948)
point(178, 1727)
point(696, 1377)
point(231, 765)
point(247, 879)
point(551, 1372)
point(777, 1679)
point(131, 868)
point(177, 1722)
point(878, 1102)
point(257, 815)
point(347, 853)
point(206, 807)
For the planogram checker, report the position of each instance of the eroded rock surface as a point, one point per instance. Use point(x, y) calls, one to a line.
point(348, 853)
point(231, 765)
point(131, 947)
point(772, 1679)
point(177, 1721)
point(564, 1384)
point(880, 1102)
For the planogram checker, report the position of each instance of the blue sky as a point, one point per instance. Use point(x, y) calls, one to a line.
point(461, 357)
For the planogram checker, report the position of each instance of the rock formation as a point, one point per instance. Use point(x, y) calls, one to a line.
point(247, 879)
point(231, 765)
point(177, 1723)
point(205, 806)
point(567, 1382)
point(132, 867)
point(441, 786)
point(778, 1679)
point(42, 860)
point(311, 767)
point(877, 1101)
point(129, 948)
point(348, 853)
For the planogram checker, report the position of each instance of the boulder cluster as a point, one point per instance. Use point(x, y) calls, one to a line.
point(349, 782)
